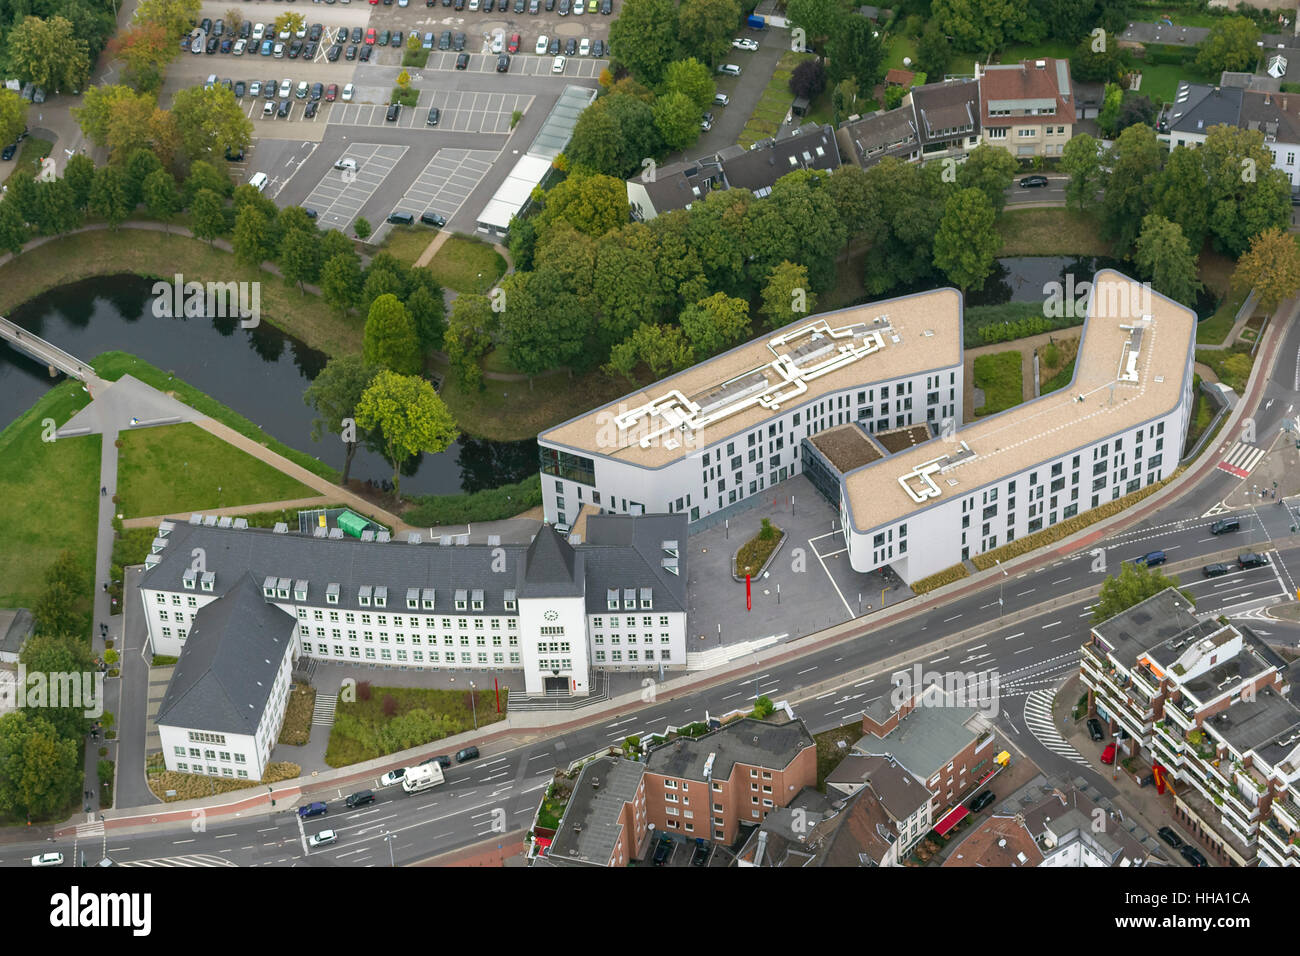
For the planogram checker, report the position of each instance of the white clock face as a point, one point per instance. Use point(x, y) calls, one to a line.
point(551, 615)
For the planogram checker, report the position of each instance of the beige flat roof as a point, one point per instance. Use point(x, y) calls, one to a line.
point(1049, 427)
point(921, 332)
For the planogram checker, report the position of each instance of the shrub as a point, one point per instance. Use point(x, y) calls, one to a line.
point(363, 690)
point(389, 705)
point(763, 707)
point(491, 504)
point(939, 579)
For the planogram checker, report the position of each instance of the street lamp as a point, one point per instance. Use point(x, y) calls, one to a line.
point(389, 838)
point(1000, 584)
point(472, 705)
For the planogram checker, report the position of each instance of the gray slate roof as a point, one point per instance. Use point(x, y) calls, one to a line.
point(229, 663)
point(590, 826)
point(925, 740)
point(757, 169)
point(749, 741)
point(624, 551)
point(1197, 107)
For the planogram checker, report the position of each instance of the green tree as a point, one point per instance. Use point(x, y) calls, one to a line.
point(361, 228)
point(933, 51)
point(203, 175)
point(39, 769)
point(544, 326)
point(49, 53)
point(252, 240)
point(692, 78)
point(99, 104)
point(1133, 585)
point(139, 165)
point(715, 323)
point(407, 417)
point(844, 99)
point(818, 19)
point(290, 21)
point(909, 206)
point(1108, 116)
point(299, 257)
point(798, 221)
point(1163, 253)
point(79, 174)
point(1271, 266)
point(990, 170)
point(968, 239)
point(1134, 162)
point(160, 196)
point(662, 348)
point(175, 16)
point(145, 50)
point(1230, 45)
point(1090, 64)
point(626, 284)
point(704, 27)
point(210, 122)
point(1081, 160)
point(66, 670)
point(1180, 194)
point(13, 115)
point(591, 203)
point(390, 339)
point(678, 120)
point(207, 215)
point(856, 52)
point(108, 195)
point(1246, 194)
point(469, 336)
point(979, 26)
point(335, 394)
point(57, 208)
point(340, 281)
point(56, 611)
point(786, 297)
point(763, 707)
point(13, 229)
point(644, 38)
point(429, 313)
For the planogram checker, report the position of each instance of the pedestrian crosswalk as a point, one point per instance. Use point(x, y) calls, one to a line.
point(198, 859)
point(1038, 718)
point(322, 714)
point(87, 830)
point(1242, 459)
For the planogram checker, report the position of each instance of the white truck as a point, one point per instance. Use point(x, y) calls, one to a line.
point(422, 778)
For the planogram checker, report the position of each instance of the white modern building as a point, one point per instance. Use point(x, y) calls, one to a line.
point(729, 428)
point(912, 492)
point(239, 607)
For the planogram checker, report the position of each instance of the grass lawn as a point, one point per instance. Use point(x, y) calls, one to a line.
point(1202, 414)
point(364, 730)
point(1059, 380)
point(1215, 329)
point(467, 265)
point(1054, 231)
point(113, 365)
point(146, 253)
point(999, 375)
point(1036, 51)
point(899, 48)
point(50, 502)
point(30, 156)
point(496, 361)
point(181, 467)
point(406, 243)
point(770, 112)
point(829, 753)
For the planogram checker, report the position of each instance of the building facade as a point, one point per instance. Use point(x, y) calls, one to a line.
point(1027, 108)
point(1276, 116)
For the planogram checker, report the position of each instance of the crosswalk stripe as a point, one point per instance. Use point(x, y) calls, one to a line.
point(1242, 459)
point(195, 860)
point(1038, 718)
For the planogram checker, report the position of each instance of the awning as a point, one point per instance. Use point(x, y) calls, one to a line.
point(950, 820)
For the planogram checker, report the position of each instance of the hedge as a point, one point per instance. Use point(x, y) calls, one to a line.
point(1065, 528)
point(938, 580)
point(1158, 54)
point(989, 324)
point(491, 504)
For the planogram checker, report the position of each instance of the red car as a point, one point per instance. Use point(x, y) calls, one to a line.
point(1108, 755)
point(331, 92)
point(513, 45)
point(370, 36)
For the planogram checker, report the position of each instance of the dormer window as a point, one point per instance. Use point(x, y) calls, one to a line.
point(282, 588)
point(611, 599)
point(188, 578)
point(412, 599)
point(209, 580)
point(476, 599)
point(268, 588)
point(510, 601)
point(629, 599)
point(427, 598)
point(363, 595)
point(647, 599)
point(381, 596)
point(300, 590)
point(332, 594)
point(462, 600)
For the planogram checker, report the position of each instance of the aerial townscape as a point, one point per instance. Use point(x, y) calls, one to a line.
point(381, 382)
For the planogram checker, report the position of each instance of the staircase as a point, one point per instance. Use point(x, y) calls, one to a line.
point(717, 656)
point(322, 714)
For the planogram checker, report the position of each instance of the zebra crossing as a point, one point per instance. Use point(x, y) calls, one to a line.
point(197, 859)
point(87, 830)
point(1242, 459)
point(322, 714)
point(1038, 718)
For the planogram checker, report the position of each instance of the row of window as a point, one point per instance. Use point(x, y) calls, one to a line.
point(184, 767)
point(599, 639)
point(225, 756)
point(414, 622)
point(415, 657)
point(480, 640)
point(647, 653)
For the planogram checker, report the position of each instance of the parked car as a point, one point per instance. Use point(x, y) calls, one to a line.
point(432, 118)
point(286, 87)
point(1252, 560)
point(444, 41)
point(384, 38)
point(1108, 755)
point(469, 753)
point(8, 152)
point(283, 109)
point(462, 61)
point(579, 7)
point(983, 800)
point(394, 110)
point(1095, 729)
point(397, 39)
point(564, 8)
point(360, 799)
point(356, 34)
point(331, 92)
point(433, 219)
point(48, 859)
point(310, 109)
point(1192, 855)
point(240, 89)
point(316, 809)
point(730, 69)
point(268, 47)
point(334, 53)
point(245, 29)
point(240, 46)
point(324, 838)
point(513, 45)
point(213, 45)
point(442, 760)
point(1033, 182)
point(1151, 559)
point(392, 777)
point(543, 42)
point(702, 848)
point(554, 48)
point(317, 91)
point(347, 93)
point(519, 6)
point(503, 63)
point(227, 44)
point(1169, 836)
point(371, 36)
point(259, 31)
point(350, 52)
point(584, 47)
point(255, 88)
point(303, 89)
point(606, 7)
point(706, 123)
point(366, 51)
point(598, 48)
point(269, 88)
point(295, 48)
point(401, 219)
point(315, 32)
point(557, 65)
point(498, 42)
point(458, 42)
point(663, 850)
point(534, 7)
point(278, 51)
point(744, 43)
point(1215, 570)
point(570, 46)
point(427, 43)
point(1225, 525)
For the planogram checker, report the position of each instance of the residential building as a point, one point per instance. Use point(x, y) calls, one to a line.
point(675, 186)
point(1210, 703)
point(555, 609)
point(790, 836)
point(905, 803)
point(709, 786)
point(1027, 108)
point(604, 822)
point(866, 141)
point(1198, 108)
point(935, 121)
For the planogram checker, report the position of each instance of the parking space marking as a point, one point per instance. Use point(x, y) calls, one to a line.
point(446, 182)
point(337, 200)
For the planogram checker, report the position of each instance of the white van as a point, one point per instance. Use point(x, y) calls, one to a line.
point(421, 778)
point(258, 181)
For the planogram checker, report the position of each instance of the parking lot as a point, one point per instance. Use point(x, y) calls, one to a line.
point(524, 62)
point(340, 194)
point(459, 112)
point(446, 182)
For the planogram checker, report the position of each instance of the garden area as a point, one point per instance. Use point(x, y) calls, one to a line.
point(170, 785)
point(1054, 231)
point(1232, 365)
point(770, 111)
point(832, 747)
point(1056, 364)
point(1000, 377)
point(297, 716)
point(754, 553)
point(384, 720)
point(466, 265)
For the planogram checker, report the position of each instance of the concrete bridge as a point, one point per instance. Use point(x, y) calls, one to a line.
point(51, 356)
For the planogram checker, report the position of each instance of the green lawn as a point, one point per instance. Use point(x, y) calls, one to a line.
point(368, 728)
point(1215, 329)
point(1055, 231)
point(48, 489)
point(176, 468)
point(1232, 364)
point(1160, 82)
point(467, 265)
point(1059, 380)
point(770, 112)
point(900, 47)
point(30, 156)
point(999, 375)
point(406, 243)
point(1036, 51)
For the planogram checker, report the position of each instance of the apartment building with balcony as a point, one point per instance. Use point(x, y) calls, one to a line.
point(709, 786)
point(933, 122)
point(1027, 108)
point(1210, 702)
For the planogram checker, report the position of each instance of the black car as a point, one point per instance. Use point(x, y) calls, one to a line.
point(1095, 730)
point(1033, 182)
point(534, 7)
point(295, 48)
point(245, 30)
point(554, 49)
point(8, 152)
point(1215, 570)
point(469, 753)
point(458, 42)
point(663, 850)
point(234, 156)
point(432, 119)
point(1252, 560)
point(356, 34)
point(315, 32)
point(550, 5)
point(360, 799)
point(283, 109)
point(442, 760)
point(459, 5)
point(350, 53)
point(317, 91)
point(310, 110)
point(701, 855)
point(462, 61)
point(490, 5)
point(213, 45)
point(597, 47)
point(269, 87)
point(503, 63)
point(227, 44)
point(333, 53)
point(606, 7)
point(206, 24)
point(1225, 525)
point(311, 213)
point(519, 6)
point(433, 219)
point(365, 53)
point(444, 41)
point(1192, 855)
point(983, 800)
point(1169, 836)
point(394, 110)
point(219, 28)
point(396, 39)
point(309, 50)
point(403, 219)
point(240, 90)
